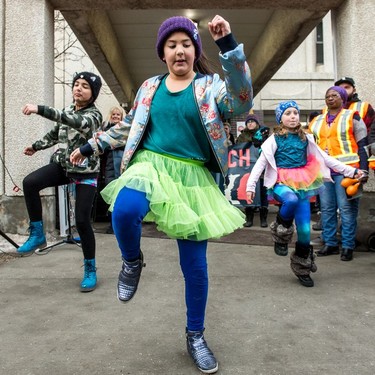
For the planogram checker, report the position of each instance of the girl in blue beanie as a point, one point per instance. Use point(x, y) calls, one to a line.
point(295, 169)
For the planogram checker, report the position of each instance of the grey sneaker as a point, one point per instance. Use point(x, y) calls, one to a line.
point(318, 241)
point(128, 278)
point(198, 349)
point(317, 226)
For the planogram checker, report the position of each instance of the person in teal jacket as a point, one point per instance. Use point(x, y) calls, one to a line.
point(174, 139)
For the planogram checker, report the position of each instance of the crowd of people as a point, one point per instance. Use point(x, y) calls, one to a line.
point(169, 179)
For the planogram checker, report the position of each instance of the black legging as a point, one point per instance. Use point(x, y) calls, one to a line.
point(54, 175)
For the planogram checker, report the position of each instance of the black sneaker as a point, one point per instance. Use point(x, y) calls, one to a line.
point(281, 249)
point(328, 250)
point(317, 226)
point(306, 280)
point(346, 255)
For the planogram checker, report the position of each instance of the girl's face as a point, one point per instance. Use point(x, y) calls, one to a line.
point(82, 93)
point(290, 118)
point(116, 116)
point(333, 99)
point(251, 124)
point(179, 54)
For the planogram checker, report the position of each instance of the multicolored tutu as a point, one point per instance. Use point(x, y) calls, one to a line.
point(306, 181)
point(185, 201)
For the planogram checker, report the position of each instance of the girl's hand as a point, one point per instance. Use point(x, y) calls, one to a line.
point(361, 175)
point(76, 157)
point(29, 151)
point(218, 27)
point(28, 109)
point(250, 196)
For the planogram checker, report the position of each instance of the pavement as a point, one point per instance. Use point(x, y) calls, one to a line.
point(259, 319)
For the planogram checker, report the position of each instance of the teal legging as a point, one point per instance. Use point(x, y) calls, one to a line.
point(130, 208)
point(294, 207)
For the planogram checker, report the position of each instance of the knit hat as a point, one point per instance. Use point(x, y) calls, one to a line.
point(253, 118)
point(342, 92)
point(93, 80)
point(282, 107)
point(178, 23)
point(345, 80)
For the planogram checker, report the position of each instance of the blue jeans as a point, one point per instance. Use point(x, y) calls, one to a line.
point(333, 197)
point(117, 158)
point(130, 208)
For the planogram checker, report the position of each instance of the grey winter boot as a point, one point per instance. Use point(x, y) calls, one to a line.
point(198, 349)
point(302, 262)
point(282, 233)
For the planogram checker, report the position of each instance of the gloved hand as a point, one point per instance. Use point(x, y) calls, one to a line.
point(260, 136)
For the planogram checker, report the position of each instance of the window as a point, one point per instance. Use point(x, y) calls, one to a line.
point(319, 44)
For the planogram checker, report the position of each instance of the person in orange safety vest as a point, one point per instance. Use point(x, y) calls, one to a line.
point(342, 134)
point(365, 110)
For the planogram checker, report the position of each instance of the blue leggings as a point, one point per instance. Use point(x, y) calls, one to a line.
point(130, 208)
point(294, 207)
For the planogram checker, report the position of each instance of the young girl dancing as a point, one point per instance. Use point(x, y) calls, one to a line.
point(295, 169)
point(176, 139)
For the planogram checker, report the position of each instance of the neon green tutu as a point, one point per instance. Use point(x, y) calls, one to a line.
point(185, 201)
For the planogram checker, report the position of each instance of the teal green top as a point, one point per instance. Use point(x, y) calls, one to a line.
point(183, 136)
point(291, 151)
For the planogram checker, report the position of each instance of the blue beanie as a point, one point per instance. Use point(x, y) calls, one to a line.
point(282, 107)
point(174, 24)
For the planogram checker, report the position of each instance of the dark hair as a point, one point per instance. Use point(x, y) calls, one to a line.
point(205, 66)
point(313, 114)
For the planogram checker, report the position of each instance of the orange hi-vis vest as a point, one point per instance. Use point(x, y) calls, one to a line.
point(360, 107)
point(371, 162)
point(338, 139)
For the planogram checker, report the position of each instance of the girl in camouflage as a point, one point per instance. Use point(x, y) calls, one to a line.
point(74, 125)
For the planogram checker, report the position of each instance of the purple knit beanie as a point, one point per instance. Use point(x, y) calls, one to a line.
point(341, 91)
point(178, 23)
point(252, 117)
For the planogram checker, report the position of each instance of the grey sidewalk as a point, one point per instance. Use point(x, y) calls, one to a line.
point(260, 320)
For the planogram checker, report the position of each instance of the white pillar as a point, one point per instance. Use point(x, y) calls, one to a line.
point(355, 34)
point(354, 40)
point(26, 76)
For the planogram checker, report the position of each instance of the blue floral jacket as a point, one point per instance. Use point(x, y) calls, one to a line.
point(215, 99)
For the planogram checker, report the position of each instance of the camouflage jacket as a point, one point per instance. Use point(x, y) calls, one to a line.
point(72, 129)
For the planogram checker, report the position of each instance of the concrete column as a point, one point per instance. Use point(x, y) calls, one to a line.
point(354, 32)
point(354, 35)
point(26, 76)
